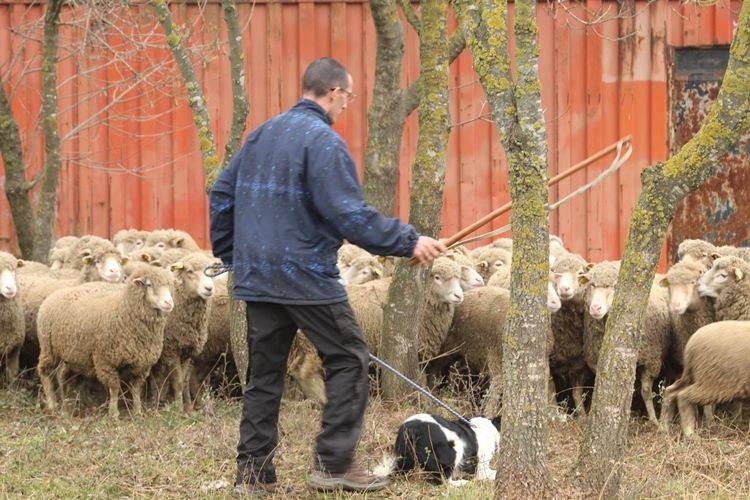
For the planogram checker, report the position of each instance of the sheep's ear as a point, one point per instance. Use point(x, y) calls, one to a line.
point(139, 280)
point(381, 259)
point(583, 279)
point(20, 263)
point(664, 283)
point(124, 261)
point(378, 274)
point(715, 255)
point(88, 259)
point(738, 274)
point(177, 242)
point(483, 265)
point(588, 267)
point(177, 266)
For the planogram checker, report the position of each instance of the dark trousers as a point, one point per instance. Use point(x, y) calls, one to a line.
point(333, 330)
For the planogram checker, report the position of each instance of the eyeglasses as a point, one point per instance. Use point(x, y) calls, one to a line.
point(350, 96)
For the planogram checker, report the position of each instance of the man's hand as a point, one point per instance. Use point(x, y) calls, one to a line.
point(427, 249)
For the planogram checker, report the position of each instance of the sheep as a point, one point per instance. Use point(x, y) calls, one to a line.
point(171, 238)
point(11, 316)
point(104, 265)
point(348, 253)
point(130, 240)
point(470, 278)
point(489, 259)
point(443, 293)
point(599, 285)
point(556, 248)
point(699, 251)
point(728, 283)
point(217, 350)
point(101, 250)
point(716, 369)
point(501, 278)
point(60, 251)
point(186, 331)
point(504, 243)
point(476, 334)
point(566, 360)
point(114, 332)
point(688, 311)
point(362, 269)
point(306, 369)
point(367, 301)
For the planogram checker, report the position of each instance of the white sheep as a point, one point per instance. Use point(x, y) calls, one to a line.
point(476, 335)
point(567, 363)
point(697, 251)
point(688, 312)
point(728, 281)
point(470, 278)
point(171, 238)
point(443, 293)
point(362, 269)
point(599, 287)
point(716, 369)
point(11, 316)
point(489, 259)
point(114, 332)
point(130, 240)
point(217, 351)
point(186, 331)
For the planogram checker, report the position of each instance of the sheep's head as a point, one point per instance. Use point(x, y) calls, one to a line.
point(445, 281)
point(157, 285)
point(698, 252)
point(363, 269)
point(8, 266)
point(565, 271)
point(599, 282)
point(725, 272)
point(189, 273)
point(470, 278)
point(107, 263)
point(682, 282)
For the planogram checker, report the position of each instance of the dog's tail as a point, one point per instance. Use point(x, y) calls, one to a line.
point(386, 467)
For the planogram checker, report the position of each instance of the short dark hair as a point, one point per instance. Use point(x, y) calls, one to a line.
point(324, 74)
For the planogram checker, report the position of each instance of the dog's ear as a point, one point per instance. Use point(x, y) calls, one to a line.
point(496, 422)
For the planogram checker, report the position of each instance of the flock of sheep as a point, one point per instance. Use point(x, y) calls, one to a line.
point(138, 312)
point(135, 309)
point(468, 298)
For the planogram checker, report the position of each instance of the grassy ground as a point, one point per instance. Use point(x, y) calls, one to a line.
point(167, 453)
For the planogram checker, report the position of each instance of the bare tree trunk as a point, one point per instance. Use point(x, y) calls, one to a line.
point(516, 109)
point(664, 185)
point(399, 327)
point(385, 116)
point(16, 187)
point(240, 104)
point(196, 100)
point(45, 213)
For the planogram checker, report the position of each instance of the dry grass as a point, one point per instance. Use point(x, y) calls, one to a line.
point(167, 453)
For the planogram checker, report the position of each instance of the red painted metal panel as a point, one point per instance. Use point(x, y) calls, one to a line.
point(592, 95)
point(595, 141)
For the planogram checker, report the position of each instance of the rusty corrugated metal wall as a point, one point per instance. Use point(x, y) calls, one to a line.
point(121, 170)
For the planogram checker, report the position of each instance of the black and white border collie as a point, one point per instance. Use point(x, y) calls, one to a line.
point(444, 448)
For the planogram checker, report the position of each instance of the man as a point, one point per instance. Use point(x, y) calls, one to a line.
point(279, 212)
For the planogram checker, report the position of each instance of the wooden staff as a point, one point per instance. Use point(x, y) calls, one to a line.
point(499, 211)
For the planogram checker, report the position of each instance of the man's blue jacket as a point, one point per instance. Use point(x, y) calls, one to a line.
point(282, 207)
